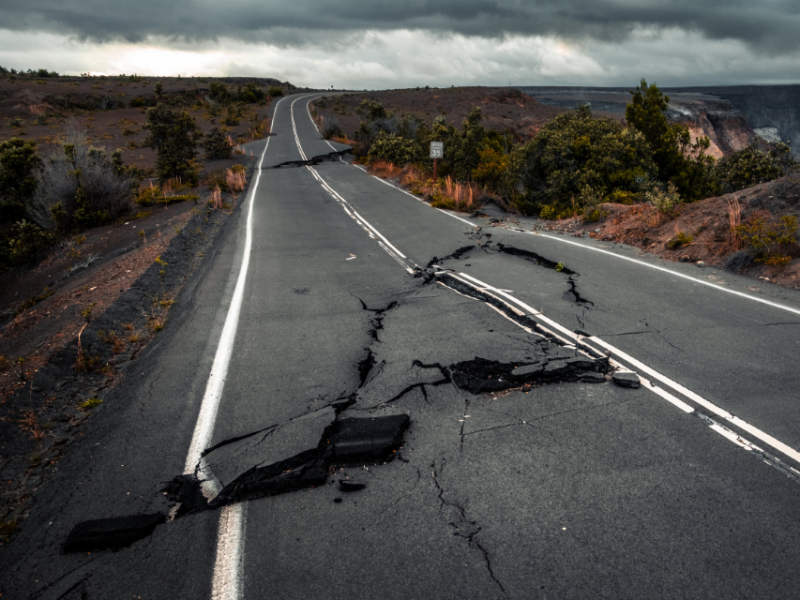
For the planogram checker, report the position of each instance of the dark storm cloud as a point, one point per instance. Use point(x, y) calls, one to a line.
point(768, 26)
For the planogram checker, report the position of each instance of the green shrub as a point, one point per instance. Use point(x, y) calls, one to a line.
point(439, 201)
point(18, 164)
point(218, 92)
point(665, 201)
point(395, 149)
point(251, 93)
point(371, 110)
point(233, 116)
point(680, 239)
point(750, 166)
point(138, 102)
point(275, 92)
point(174, 136)
point(338, 106)
point(676, 157)
point(768, 237)
point(576, 150)
point(492, 166)
point(23, 245)
point(623, 197)
point(548, 212)
point(91, 403)
point(331, 128)
point(216, 144)
point(217, 179)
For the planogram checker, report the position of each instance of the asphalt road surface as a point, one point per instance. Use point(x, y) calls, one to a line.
point(360, 396)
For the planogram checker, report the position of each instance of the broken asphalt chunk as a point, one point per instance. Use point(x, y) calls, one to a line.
point(116, 532)
point(307, 469)
point(371, 440)
point(534, 369)
point(626, 379)
point(555, 368)
point(590, 377)
point(270, 446)
point(346, 485)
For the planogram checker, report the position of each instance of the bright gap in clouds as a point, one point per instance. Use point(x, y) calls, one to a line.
point(403, 58)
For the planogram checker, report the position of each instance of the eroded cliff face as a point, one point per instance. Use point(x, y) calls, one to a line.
point(726, 128)
point(768, 107)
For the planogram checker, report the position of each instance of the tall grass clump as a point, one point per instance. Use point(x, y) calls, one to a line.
point(236, 178)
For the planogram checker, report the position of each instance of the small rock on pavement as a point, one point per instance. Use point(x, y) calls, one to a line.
point(626, 379)
point(701, 264)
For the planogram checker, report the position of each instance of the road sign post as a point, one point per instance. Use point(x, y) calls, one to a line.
point(437, 152)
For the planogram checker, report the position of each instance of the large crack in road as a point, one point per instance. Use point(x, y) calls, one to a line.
point(305, 452)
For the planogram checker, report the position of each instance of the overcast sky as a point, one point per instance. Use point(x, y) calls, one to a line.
point(374, 44)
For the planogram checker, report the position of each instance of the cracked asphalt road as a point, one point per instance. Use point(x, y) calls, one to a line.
point(524, 472)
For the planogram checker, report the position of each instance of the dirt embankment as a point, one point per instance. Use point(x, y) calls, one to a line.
point(504, 109)
point(706, 227)
point(69, 325)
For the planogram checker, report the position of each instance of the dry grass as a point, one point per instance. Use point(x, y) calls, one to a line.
point(37, 110)
point(343, 139)
point(446, 193)
point(216, 198)
point(384, 169)
point(236, 180)
point(31, 423)
point(735, 220)
point(463, 194)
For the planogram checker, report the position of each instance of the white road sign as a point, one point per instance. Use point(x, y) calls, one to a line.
point(437, 149)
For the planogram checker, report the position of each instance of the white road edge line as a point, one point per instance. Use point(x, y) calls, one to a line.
point(795, 311)
point(226, 583)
